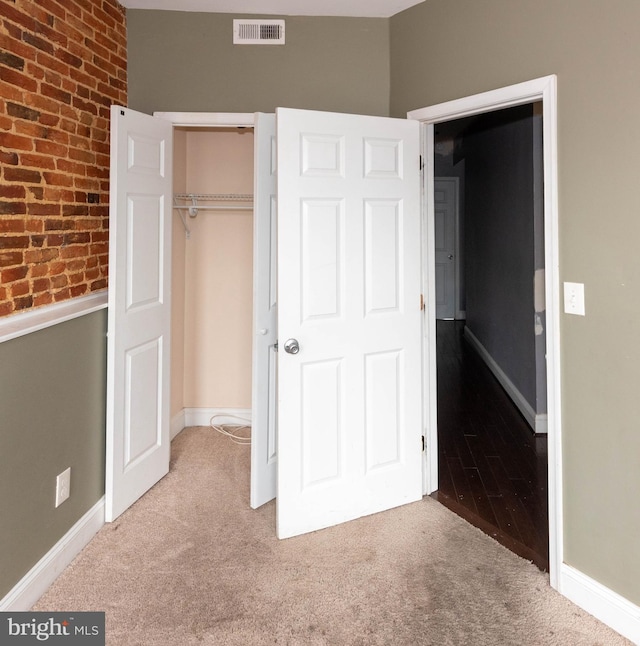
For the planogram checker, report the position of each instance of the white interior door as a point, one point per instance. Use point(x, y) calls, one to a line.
point(445, 195)
point(137, 449)
point(349, 401)
point(265, 313)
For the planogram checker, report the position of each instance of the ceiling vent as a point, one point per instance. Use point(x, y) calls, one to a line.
point(258, 32)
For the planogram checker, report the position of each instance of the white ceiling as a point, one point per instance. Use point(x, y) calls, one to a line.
point(361, 8)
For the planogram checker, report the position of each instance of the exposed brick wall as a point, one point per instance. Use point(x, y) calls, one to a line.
point(62, 64)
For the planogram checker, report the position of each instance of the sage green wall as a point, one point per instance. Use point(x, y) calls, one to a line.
point(445, 49)
point(52, 403)
point(186, 62)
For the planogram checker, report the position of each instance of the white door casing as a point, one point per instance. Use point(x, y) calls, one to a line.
point(445, 197)
point(349, 241)
point(541, 89)
point(138, 348)
point(265, 314)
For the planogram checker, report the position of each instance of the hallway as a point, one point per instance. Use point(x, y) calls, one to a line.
point(492, 468)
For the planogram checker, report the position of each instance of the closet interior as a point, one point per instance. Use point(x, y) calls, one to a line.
point(212, 280)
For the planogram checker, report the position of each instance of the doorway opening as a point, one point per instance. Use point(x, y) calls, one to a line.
point(544, 90)
point(490, 314)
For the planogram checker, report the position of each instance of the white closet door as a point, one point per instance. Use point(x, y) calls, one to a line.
point(265, 313)
point(138, 444)
point(350, 397)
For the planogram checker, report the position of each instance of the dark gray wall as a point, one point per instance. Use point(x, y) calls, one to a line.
point(499, 242)
point(52, 398)
point(186, 62)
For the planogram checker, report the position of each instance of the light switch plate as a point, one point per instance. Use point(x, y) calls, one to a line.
point(574, 298)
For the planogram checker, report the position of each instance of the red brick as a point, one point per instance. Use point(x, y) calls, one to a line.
point(41, 285)
point(14, 191)
point(38, 271)
point(74, 251)
point(19, 289)
point(46, 298)
point(16, 174)
point(8, 158)
point(12, 208)
point(59, 281)
point(12, 225)
point(51, 148)
point(11, 92)
point(57, 179)
point(23, 303)
point(37, 161)
point(14, 242)
point(17, 78)
point(98, 285)
point(10, 258)
point(54, 93)
point(78, 290)
point(49, 120)
point(15, 142)
point(34, 226)
point(22, 112)
point(33, 130)
point(10, 60)
point(58, 225)
point(44, 209)
point(13, 274)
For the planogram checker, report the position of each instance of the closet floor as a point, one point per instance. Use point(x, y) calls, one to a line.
point(492, 468)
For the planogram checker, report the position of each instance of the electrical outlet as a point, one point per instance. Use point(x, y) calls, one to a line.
point(574, 298)
point(63, 486)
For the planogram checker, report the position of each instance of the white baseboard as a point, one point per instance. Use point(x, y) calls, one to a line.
point(36, 582)
point(601, 602)
point(202, 416)
point(177, 424)
point(538, 422)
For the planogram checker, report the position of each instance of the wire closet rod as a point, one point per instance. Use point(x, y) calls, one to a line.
point(223, 200)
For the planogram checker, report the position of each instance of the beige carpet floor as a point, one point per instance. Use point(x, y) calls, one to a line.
point(191, 563)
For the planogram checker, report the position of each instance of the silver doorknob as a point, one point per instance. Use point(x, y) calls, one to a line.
point(291, 346)
point(450, 256)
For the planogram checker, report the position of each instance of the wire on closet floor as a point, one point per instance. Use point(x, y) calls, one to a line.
point(243, 426)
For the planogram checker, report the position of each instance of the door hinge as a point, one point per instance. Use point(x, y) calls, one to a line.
point(275, 346)
point(423, 442)
point(421, 163)
point(421, 302)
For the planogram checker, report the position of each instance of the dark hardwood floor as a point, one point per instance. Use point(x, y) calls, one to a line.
point(492, 468)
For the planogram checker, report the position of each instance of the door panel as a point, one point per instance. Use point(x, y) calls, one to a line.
point(349, 422)
point(265, 311)
point(445, 199)
point(137, 447)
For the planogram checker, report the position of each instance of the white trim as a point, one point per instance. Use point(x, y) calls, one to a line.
point(36, 582)
point(202, 416)
point(542, 89)
point(23, 323)
point(177, 424)
point(212, 119)
point(534, 420)
point(606, 605)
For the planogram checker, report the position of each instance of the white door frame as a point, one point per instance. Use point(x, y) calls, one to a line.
point(541, 89)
